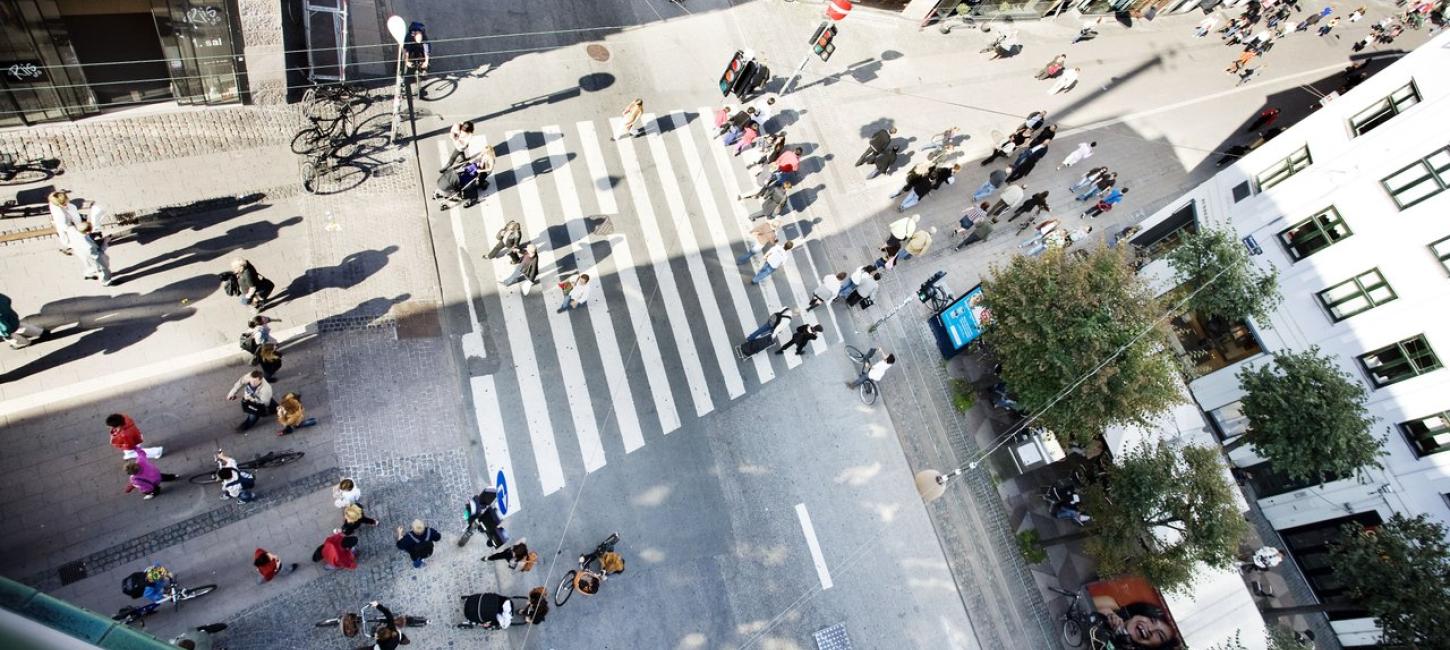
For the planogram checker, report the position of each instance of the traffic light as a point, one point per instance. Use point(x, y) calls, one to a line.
point(925, 291)
point(732, 77)
point(821, 41)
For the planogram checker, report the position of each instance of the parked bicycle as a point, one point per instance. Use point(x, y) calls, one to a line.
point(593, 569)
point(324, 135)
point(1080, 624)
point(330, 100)
point(155, 579)
point(350, 624)
point(267, 461)
point(16, 171)
point(867, 390)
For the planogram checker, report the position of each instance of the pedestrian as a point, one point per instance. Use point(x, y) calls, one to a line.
point(1008, 145)
point(1087, 179)
point(736, 122)
point(1066, 82)
point(941, 175)
point(418, 542)
point(255, 288)
point(518, 557)
point(854, 279)
point(1328, 27)
point(527, 269)
point(338, 551)
point(144, 475)
point(1248, 74)
point(1112, 198)
point(1083, 151)
point(346, 493)
point(1099, 187)
point(259, 333)
point(237, 484)
point(744, 138)
point(632, 114)
point(1244, 58)
point(256, 395)
point(126, 436)
point(1037, 203)
point(979, 232)
point(775, 325)
point(775, 257)
point(353, 518)
point(508, 239)
point(95, 263)
point(1206, 25)
point(1035, 120)
point(577, 294)
point(11, 329)
point(1264, 119)
point(1010, 198)
point(291, 415)
point(763, 234)
point(1356, 15)
point(66, 219)
point(269, 359)
point(918, 186)
point(803, 335)
point(876, 145)
point(913, 176)
point(764, 110)
point(771, 147)
point(864, 288)
point(460, 135)
point(994, 180)
point(827, 291)
point(1027, 161)
point(775, 201)
point(1053, 67)
point(1044, 136)
point(875, 372)
point(268, 565)
point(915, 246)
point(788, 162)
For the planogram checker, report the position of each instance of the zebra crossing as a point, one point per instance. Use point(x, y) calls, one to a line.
point(655, 343)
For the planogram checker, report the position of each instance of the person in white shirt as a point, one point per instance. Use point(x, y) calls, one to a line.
point(1066, 81)
point(1083, 151)
point(67, 221)
point(775, 326)
point(827, 291)
point(764, 110)
point(775, 257)
point(874, 372)
point(346, 493)
point(578, 294)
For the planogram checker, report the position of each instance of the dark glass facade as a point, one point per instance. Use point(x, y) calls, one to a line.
point(66, 59)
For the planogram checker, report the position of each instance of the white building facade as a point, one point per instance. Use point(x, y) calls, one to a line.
point(1352, 207)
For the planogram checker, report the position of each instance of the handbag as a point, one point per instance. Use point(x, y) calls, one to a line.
point(566, 286)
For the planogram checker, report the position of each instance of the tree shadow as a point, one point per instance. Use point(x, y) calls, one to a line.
point(235, 239)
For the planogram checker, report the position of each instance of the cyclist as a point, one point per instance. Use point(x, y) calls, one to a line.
point(386, 635)
point(158, 584)
point(483, 513)
point(609, 562)
point(874, 372)
point(417, 52)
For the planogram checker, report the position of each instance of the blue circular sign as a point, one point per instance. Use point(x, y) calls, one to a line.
point(502, 500)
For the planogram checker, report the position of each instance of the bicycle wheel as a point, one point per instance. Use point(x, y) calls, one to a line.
point(195, 592)
point(328, 622)
point(23, 175)
point(867, 391)
point(855, 354)
point(565, 588)
point(306, 141)
point(1072, 632)
point(277, 459)
point(310, 173)
point(205, 478)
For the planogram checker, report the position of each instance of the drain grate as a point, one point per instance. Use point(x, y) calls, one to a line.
point(73, 572)
point(833, 638)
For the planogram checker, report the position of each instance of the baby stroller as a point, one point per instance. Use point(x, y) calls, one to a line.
point(459, 185)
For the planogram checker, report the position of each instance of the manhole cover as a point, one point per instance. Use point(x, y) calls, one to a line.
point(833, 638)
point(597, 52)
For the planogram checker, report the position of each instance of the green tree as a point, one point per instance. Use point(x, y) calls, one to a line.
point(1163, 509)
point(1085, 325)
point(1307, 417)
point(1214, 263)
point(1400, 572)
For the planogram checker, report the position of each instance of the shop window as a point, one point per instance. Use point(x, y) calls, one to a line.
point(1211, 343)
point(1356, 295)
point(1441, 249)
point(1383, 110)
point(1169, 233)
point(1296, 162)
point(1429, 434)
point(1268, 482)
point(1309, 546)
point(1406, 359)
point(1420, 180)
point(1314, 234)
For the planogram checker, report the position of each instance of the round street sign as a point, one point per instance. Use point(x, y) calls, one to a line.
point(502, 499)
point(837, 9)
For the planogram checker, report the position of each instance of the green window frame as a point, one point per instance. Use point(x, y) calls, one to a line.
point(1314, 234)
point(1399, 361)
point(1429, 434)
point(1419, 180)
point(1357, 295)
point(1385, 109)
point(1441, 249)
point(1295, 162)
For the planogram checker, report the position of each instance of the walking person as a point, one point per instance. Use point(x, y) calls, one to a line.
point(864, 288)
point(775, 257)
point(1036, 204)
point(527, 269)
point(577, 295)
point(460, 135)
point(1083, 151)
point(632, 114)
point(1044, 136)
point(291, 415)
point(1264, 119)
point(1053, 67)
point(775, 201)
point(771, 148)
point(1027, 161)
point(338, 551)
point(255, 288)
point(1008, 145)
point(353, 518)
point(144, 476)
point(126, 436)
point(1104, 182)
point(1206, 25)
point(518, 557)
point(763, 234)
point(95, 263)
point(1356, 15)
point(508, 239)
point(775, 326)
point(826, 292)
point(1328, 27)
point(803, 335)
point(1010, 198)
point(918, 185)
point(346, 493)
point(418, 542)
point(979, 232)
point(876, 372)
point(256, 396)
point(269, 565)
point(736, 122)
point(1245, 57)
point(237, 483)
point(1113, 197)
point(66, 219)
point(876, 145)
point(1066, 82)
point(14, 333)
point(884, 161)
point(269, 359)
point(995, 180)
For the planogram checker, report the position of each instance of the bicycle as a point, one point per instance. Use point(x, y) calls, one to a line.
point(175, 594)
point(1078, 624)
point(269, 460)
point(320, 100)
point(350, 624)
point(15, 171)
point(327, 134)
point(937, 298)
point(867, 389)
point(591, 571)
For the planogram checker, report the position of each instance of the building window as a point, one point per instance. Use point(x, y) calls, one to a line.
point(1441, 249)
point(1295, 163)
point(1309, 546)
point(1358, 294)
point(1169, 233)
point(1429, 434)
point(1420, 180)
point(1392, 364)
point(1210, 343)
point(1269, 482)
point(1384, 109)
point(1314, 234)
point(1230, 421)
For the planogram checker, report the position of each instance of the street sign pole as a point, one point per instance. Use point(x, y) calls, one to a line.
point(798, 69)
point(836, 11)
point(398, 28)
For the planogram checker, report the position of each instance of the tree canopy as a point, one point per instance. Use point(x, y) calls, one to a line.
point(1307, 417)
point(1163, 509)
point(1214, 263)
point(1400, 572)
point(1056, 317)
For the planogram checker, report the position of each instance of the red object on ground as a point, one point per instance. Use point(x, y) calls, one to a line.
point(837, 9)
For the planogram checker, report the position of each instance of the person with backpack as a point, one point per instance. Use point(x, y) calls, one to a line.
point(237, 484)
point(253, 289)
point(482, 514)
point(418, 542)
point(256, 395)
point(145, 476)
point(291, 415)
point(518, 557)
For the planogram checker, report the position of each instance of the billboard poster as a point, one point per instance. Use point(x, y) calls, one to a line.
point(1134, 614)
point(961, 322)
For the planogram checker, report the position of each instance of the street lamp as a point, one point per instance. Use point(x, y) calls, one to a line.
point(398, 28)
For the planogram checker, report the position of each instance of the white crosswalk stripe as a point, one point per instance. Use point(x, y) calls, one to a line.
point(603, 183)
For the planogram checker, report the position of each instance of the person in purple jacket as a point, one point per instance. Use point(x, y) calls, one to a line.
point(145, 476)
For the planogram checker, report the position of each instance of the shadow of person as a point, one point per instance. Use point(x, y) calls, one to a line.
point(350, 272)
point(235, 239)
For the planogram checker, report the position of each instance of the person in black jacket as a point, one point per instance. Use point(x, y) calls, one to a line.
point(877, 145)
point(884, 162)
point(418, 542)
point(528, 269)
point(254, 288)
point(386, 635)
point(803, 335)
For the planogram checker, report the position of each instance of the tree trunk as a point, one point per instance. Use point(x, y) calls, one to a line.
point(1326, 608)
point(1070, 537)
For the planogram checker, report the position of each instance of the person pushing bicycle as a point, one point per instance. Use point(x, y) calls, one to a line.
point(158, 584)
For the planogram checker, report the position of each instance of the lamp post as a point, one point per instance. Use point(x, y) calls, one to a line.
point(398, 28)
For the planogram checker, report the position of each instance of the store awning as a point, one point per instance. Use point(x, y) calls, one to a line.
point(1217, 609)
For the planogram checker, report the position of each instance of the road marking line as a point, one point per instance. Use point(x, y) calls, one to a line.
point(815, 546)
point(598, 171)
point(620, 395)
point(561, 328)
point(490, 431)
point(703, 192)
point(533, 401)
point(472, 341)
point(659, 259)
